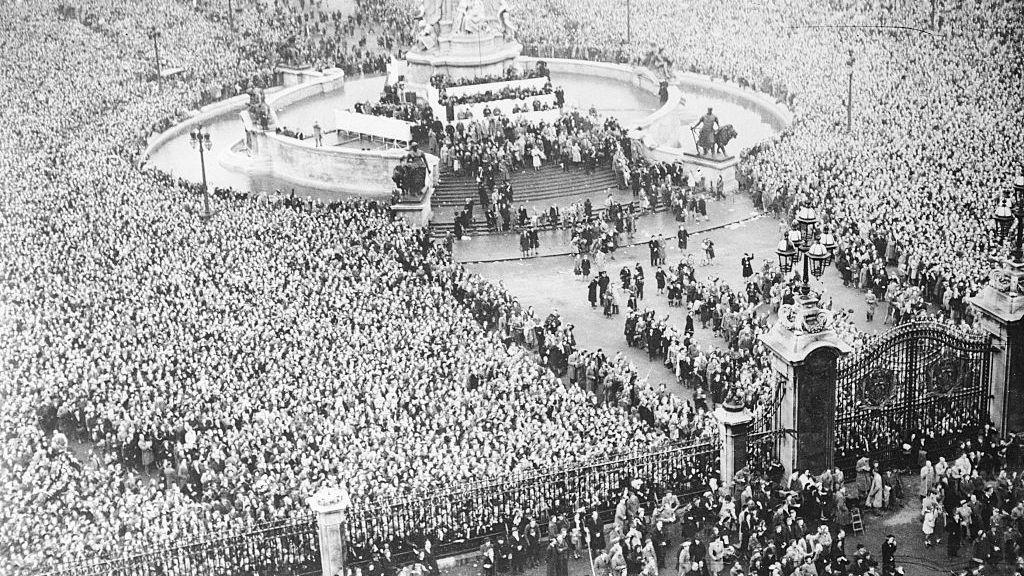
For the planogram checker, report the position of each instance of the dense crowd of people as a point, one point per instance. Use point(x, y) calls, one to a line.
point(166, 375)
point(491, 148)
point(885, 193)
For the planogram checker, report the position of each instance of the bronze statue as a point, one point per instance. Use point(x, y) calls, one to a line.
point(706, 141)
point(289, 53)
point(723, 136)
point(713, 138)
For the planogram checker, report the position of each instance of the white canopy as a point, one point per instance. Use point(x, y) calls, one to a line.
point(379, 126)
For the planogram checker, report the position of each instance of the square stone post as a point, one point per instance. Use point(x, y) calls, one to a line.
point(733, 427)
point(805, 354)
point(330, 505)
point(999, 311)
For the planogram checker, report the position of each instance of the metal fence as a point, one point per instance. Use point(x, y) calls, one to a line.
point(923, 376)
point(456, 520)
point(285, 549)
point(470, 514)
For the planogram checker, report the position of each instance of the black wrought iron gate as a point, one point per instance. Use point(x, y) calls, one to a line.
point(923, 377)
point(766, 431)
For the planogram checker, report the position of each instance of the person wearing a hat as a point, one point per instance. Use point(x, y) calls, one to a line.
point(889, 555)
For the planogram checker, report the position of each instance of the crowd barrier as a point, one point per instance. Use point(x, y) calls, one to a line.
point(292, 546)
point(289, 547)
point(683, 469)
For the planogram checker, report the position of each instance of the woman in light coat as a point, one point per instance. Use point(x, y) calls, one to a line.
point(928, 526)
point(876, 491)
point(927, 479)
point(716, 554)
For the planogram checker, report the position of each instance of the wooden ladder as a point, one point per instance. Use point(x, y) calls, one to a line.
point(858, 522)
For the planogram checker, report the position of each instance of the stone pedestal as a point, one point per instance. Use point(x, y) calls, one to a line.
point(463, 56)
point(329, 505)
point(999, 310)
point(417, 214)
point(712, 168)
point(733, 426)
point(805, 354)
point(295, 75)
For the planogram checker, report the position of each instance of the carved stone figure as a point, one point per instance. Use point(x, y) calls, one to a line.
point(508, 30)
point(289, 53)
point(427, 36)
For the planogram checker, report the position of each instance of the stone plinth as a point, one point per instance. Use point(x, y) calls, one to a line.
point(999, 310)
point(295, 75)
point(417, 214)
point(733, 425)
point(463, 56)
point(329, 505)
point(713, 167)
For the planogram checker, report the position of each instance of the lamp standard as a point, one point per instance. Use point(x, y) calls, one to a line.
point(629, 22)
point(231, 16)
point(1004, 217)
point(800, 242)
point(154, 35)
point(849, 93)
point(200, 139)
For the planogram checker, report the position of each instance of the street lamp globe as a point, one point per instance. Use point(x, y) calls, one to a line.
point(795, 237)
point(1004, 220)
point(829, 242)
point(819, 256)
point(807, 217)
point(786, 252)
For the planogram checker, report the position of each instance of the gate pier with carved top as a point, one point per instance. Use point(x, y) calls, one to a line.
point(805, 351)
point(999, 310)
point(805, 358)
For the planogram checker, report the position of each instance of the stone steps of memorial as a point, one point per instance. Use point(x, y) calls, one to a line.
point(438, 229)
point(528, 186)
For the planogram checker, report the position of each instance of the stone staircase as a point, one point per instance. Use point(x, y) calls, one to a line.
point(549, 183)
point(439, 228)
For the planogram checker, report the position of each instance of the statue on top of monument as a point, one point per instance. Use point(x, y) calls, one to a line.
point(289, 53)
point(430, 20)
point(508, 29)
point(427, 37)
point(465, 17)
point(470, 17)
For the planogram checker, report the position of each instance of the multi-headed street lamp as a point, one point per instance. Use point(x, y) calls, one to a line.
point(816, 249)
point(800, 242)
point(201, 139)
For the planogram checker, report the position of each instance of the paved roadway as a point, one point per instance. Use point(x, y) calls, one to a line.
point(548, 282)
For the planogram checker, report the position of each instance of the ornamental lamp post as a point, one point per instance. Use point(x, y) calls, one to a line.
point(816, 250)
point(849, 93)
point(999, 310)
point(154, 35)
point(629, 22)
point(200, 139)
point(1005, 216)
